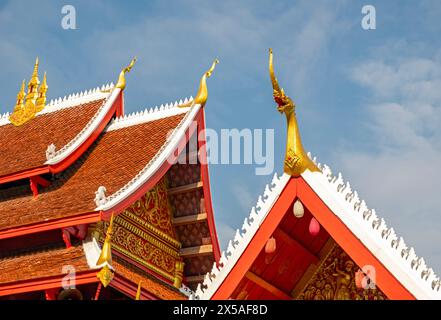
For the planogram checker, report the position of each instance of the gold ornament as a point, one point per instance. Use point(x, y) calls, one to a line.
point(122, 76)
point(202, 95)
point(179, 271)
point(26, 108)
point(334, 279)
point(105, 275)
point(296, 159)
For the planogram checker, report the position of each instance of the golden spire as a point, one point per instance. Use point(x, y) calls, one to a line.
point(20, 98)
point(296, 159)
point(105, 259)
point(122, 79)
point(33, 84)
point(202, 95)
point(138, 292)
point(41, 100)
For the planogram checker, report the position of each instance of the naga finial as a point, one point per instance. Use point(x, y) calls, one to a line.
point(122, 79)
point(202, 95)
point(105, 259)
point(296, 159)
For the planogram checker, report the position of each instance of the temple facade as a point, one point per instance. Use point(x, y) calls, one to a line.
point(94, 204)
point(98, 204)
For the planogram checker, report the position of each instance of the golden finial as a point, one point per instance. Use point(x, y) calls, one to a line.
point(41, 100)
point(20, 97)
point(202, 95)
point(26, 109)
point(296, 159)
point(138, 292)
point(122, 79)
point(106, 274)
point(33, 84)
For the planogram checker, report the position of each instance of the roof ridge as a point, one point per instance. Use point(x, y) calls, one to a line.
point(241, 240)
point(104, 202)
point(148, 114)
point(71, 100)
point(369, 219)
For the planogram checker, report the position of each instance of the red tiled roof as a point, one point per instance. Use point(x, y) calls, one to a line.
point(24, 147)
point(41, 264)
point(115, 158)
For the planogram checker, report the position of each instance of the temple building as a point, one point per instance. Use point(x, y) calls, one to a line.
point(311, 237)
point(93, 203)
point(96, 204)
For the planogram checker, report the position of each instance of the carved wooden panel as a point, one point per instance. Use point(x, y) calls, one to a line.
point(335, 280)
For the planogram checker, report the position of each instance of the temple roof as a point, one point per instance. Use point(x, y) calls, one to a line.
point(363, 223)
point(125, 155)
point(65, 123)
point(46, 266)
point(42, 264)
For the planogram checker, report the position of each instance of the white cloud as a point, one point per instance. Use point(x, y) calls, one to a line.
point(401, 177)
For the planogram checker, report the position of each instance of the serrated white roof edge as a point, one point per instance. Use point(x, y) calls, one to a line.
point(69, 101)
point(148, 114)
point(237, 246)
point(105, 203)
point(409, 269)
point(87, 130)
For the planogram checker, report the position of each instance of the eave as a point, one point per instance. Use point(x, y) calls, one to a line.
point(74, 149)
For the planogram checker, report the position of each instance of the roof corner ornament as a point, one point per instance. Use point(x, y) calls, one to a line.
point(296, 159)
point(100, 196)
point(51, 152)
point(28, 106)
point(202, 95)
point(122, 76)
point(105, 275)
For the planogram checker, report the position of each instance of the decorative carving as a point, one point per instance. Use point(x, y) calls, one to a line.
point(100, 196)
point(335, 280)
point(153, 208)
point(143, 251)
point(145, 234)
point(202, 95)
point(122, 79)
point(51, 151)
point(179, 269)
point(26, 110)
point(296, 159)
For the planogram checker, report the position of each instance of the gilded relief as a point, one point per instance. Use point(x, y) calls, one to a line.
point(153, 208)
point(335, 280)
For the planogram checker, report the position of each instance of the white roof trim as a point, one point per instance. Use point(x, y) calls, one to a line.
point(68, 101)
point(409, 269)
point(161, 155)
point(236, 247)
point(164, 111)
point(85, 133)
point(393, 253)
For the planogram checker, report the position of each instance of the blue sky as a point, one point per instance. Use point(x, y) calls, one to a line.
point(368, 102)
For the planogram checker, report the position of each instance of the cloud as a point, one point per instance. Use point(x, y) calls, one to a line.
point(402, 174)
